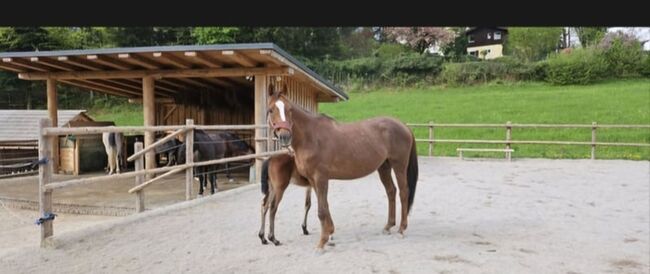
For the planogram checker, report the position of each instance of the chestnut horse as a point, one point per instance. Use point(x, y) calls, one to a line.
point(325, 149)
point(277, 172)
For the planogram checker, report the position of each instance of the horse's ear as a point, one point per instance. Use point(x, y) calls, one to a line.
point(271, 89)
point(283, 91)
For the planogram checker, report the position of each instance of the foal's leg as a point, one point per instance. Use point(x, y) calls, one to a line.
point(264, 208)
point(307, 207)
point(387, 180)
point(278, 192)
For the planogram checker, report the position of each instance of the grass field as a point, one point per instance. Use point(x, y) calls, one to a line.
point(616, 102)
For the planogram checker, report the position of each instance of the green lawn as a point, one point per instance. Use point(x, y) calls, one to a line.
point(617, 102)
point(122, 115)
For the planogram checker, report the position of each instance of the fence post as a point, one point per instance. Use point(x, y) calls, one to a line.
point(593, 140)
point(508, 138)
point(44, 178)
point(189, 158)
point(430, 138)
point(139, 165)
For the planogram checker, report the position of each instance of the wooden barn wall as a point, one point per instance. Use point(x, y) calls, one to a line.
point(228, 107)
point(298, 92)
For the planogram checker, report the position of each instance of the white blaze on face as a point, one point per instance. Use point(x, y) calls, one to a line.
point(280, 106)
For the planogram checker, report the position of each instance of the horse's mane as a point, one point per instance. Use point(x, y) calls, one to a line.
point(316, 114)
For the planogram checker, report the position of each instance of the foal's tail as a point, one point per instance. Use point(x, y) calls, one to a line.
point(265, 177)
point(412, 173)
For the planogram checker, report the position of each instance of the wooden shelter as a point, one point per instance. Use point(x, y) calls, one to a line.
point(211, 84)
point(19, 140)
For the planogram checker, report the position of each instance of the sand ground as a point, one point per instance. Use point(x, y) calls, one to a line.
point(525, 216)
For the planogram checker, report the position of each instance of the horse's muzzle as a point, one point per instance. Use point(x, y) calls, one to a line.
point(284, 137)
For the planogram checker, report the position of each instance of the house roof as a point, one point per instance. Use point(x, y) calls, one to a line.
point(245, 56)
point(22, 125)
point(473, 29)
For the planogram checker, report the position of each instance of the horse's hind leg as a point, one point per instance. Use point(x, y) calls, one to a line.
point(400, 174)
point(387, 180)
point(307, 207)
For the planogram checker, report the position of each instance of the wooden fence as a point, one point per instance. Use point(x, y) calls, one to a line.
point(508, 141)
point(46, 186)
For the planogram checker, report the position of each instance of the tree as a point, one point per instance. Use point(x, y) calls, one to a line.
point(531, 44)
point(456, 49)
point(420, 38)
point(215, 35)
point(359, 42)
point(590, 35)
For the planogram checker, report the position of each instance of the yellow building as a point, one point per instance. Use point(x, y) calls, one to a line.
point(486, 42)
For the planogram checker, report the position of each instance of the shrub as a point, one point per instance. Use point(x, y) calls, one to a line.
point(623, 54)
point(580, 66)
point(504, 68)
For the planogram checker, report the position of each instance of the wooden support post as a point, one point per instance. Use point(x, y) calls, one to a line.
point(189, 159)
point(430, 138)
point(260, 118)
point(44, 178)
point(508, 138)
point(139, 165)
point(149, 112)
point(52, 109)
point(593, 140)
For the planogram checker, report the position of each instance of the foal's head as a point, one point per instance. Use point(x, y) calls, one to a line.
point(279, 115)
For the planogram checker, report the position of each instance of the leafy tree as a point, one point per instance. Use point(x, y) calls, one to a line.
point(535, 43)
point(590, 35)
point(457, 49)
point(420, 38)
point(215, 35)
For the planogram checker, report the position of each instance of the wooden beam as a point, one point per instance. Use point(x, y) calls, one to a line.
point(174, 73)
point(171, 59)
point(11, 67)
point(260, 118)
point(52, 110)
point(149, 111)
point(239, 58)
point(91, 86)
point(158, 100)
point(110, 84)
point(104, 60)
point(204, 59)
point(138, 60)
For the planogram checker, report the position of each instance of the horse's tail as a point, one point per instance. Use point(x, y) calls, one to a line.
point(111, 140)
point(412, 173)
point(265, 176)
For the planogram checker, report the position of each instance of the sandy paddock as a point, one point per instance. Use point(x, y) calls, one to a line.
point(526, 216)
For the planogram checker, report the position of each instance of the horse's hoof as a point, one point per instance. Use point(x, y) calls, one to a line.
point(264, 241)
point(319, 251)
point(331, 242)
point(386, 231)
point(304, 230)
point(401, 235)
point(274, 241)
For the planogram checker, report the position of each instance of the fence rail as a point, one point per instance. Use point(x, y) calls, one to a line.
point(46, 186)
point(508, 133)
